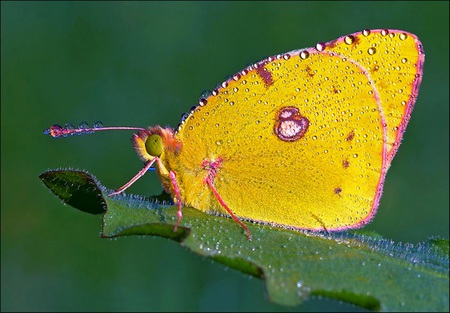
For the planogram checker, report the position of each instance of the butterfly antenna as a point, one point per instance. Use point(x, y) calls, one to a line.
point(57, 131)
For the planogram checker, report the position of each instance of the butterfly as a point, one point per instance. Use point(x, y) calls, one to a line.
point(301, 140)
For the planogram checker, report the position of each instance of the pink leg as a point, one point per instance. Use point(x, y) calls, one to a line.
point(135, 178)
point(178, 196)
point(219, 198)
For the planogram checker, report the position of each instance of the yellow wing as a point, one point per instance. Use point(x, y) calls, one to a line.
point(303, 139)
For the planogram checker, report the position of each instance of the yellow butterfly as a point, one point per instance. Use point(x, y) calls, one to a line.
point(301, 140)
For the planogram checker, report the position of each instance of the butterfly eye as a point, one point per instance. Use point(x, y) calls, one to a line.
point(154, 145)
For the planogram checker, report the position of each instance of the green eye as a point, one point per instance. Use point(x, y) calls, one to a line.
point(154, 145)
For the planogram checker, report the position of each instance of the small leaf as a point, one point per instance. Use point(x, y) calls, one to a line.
point(76, 188)
point(363, 269)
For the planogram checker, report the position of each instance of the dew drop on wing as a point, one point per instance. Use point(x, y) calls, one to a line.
point(184, 116)
point(205, 94)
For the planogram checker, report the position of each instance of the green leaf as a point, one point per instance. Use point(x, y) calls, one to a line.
point(76, 188)
point(363, 269)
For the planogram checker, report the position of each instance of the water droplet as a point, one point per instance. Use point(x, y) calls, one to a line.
point(366, 32)
point(349, 39)
point(184, 116)
point(205, 94)
point(55, 131)
point(82, 125)
point(302, 291)
point(371, 50)
point(98, 124)
point(304, 54)
point(68, 128)
point(320, 46)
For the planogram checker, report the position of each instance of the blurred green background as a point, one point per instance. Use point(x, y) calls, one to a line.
point(145, 63)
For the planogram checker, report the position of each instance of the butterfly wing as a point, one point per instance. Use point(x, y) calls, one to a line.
point(394, 62)
point(302, 139)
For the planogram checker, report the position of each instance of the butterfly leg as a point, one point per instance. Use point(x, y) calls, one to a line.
point(135, 178)
point(209, 180)
point(176, 190)
point(225, 206)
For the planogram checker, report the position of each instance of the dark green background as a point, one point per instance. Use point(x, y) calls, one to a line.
point(140, 64)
